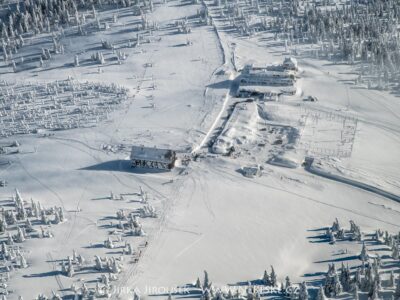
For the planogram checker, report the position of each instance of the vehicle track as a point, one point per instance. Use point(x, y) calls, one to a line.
point(43, 185)
point(227, 174)
point(56, 276)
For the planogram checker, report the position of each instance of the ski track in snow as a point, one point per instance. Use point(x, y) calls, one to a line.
point(197, 180)
point(222, 173)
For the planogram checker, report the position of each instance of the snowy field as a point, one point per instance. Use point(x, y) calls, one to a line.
point(78, 222)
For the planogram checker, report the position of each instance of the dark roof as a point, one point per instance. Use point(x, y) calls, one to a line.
point(153, 154)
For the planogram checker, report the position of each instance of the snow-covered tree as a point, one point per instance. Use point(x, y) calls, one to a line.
point(391, 279)
point(364, 253)
point(355, 293)
point(395, 252)
point(266, 279)
point(303, 292)
point(198, 283)
point(71, 270)
point(373, 294)
point(76, 61)
point(321, 294)
point(396, 294)
point(206, 282)
point(288, 284)
point(273, 279)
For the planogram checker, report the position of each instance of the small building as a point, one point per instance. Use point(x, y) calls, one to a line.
point(252, 171)
point(290, 63)
point(152, 158)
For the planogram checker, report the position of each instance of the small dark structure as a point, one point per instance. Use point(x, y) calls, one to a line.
point(153, 158)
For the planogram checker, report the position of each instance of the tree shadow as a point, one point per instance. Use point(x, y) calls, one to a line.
point(246, 283)
point(341, 259)
point(44, 274)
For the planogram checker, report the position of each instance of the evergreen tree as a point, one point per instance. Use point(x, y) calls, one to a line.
point(206, 283)
point(321, 294)
point(391, 279)
point(303, 292)
point(287, 282)
point(273, 279)
point(266, 279)
point(355, 293)
point(364, 253)
point(397, 291)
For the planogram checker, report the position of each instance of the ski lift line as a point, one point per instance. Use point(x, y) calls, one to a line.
point(380, 125)
point(213, 126)
point(354, 183)
point(224, 174)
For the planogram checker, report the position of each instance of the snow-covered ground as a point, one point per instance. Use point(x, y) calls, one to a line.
point(181, 96)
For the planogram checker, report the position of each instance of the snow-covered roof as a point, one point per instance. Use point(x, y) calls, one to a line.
point(267, 89)
point(153, 154)
point(266, 72)
point(290, 60)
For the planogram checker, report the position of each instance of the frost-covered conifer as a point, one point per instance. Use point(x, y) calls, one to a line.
point(266, 279)
point(57, 218)
point(76, 61)
point(20, 236)
point(206, 283)
point(98, 263)
point(391, 279)
point(321, 294)
point(373, 294)
point(198, 283)
point(22, 262)
point(364, 253)
point(355, 293)
point(397, 291)
point(71, 270)
point(273, 279)
point(287, 283)
point(395, 251)
point(303, 292)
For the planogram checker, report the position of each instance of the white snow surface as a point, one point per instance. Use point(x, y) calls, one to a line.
point(210, 216)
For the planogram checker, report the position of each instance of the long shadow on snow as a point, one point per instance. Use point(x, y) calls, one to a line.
point(120, 165)
point(44, 274)
point(353, 257)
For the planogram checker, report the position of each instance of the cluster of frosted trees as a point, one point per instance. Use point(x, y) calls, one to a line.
point(364, 32)
point(269, 285)
point(27, 108)
point(20, 223)
point(357, 33)
point(109, 265)
point(337, 232)
point(41, 15)
point(375, 277)
point(20, 219)
point(30, 17)
point(128, 225)
point(368, 277)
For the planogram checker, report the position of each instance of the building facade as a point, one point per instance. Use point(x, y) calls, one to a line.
point(152, 158)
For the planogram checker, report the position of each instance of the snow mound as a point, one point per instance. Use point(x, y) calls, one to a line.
point(241, 128)
point(287, 160)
